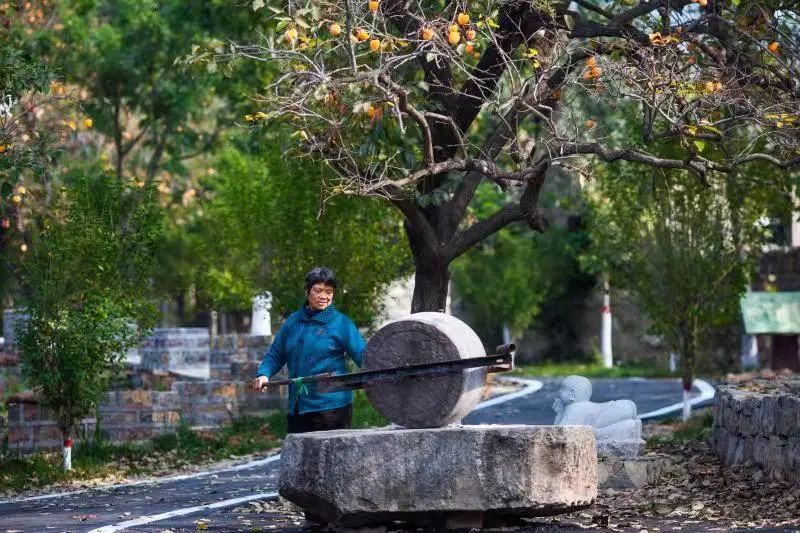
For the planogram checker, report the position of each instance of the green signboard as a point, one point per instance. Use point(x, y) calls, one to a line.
point(771, 313)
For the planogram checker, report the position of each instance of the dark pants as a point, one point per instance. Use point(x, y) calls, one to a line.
point(340, 418)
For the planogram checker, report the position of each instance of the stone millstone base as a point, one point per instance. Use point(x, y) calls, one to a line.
point(359, 477)
point(623, 473)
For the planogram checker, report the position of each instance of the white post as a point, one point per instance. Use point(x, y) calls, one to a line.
point(260, 323)
point(605, 332)
point(673, 362)
point(506, 334)
point(213, 324)
point(67, 454)
point(749, 352)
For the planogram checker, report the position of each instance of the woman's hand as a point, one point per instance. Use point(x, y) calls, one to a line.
point(260, 383)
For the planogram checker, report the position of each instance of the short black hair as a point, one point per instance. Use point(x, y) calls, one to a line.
point(320, 275)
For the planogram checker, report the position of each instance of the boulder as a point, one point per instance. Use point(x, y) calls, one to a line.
point(630, 472)
point(360, 477)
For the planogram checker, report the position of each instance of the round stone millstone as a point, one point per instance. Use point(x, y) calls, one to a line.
point(425, 401)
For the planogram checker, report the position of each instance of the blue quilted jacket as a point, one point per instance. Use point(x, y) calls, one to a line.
point(313, 342)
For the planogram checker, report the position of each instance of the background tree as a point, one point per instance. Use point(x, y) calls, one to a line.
point(121, 53)
point(685, 253)
point(149, 125)
point(263, 227)
point(419, 103)
point(85, 290)
point(505, 281)
point(30, 137)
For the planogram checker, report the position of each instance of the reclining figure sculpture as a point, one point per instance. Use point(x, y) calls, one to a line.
point(616, 428)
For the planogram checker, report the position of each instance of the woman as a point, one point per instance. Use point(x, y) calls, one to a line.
point(313, 340)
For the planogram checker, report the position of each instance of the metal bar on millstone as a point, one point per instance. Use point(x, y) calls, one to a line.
point(502, 361)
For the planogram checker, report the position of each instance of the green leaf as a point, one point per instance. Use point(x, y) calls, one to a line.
point(701, 145)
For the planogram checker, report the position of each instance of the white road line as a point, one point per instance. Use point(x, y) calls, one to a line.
point(531, 386)
point(706, 393)
point(181, 512)
point(153, 481)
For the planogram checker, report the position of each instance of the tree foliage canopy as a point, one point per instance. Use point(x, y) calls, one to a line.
point(264, 226)
point(419, 103)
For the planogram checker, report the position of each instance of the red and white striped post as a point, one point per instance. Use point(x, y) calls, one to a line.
point(67, 454)
point(605, 331)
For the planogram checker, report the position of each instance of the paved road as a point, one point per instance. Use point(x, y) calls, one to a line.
point(648, 394)
point(93, 509)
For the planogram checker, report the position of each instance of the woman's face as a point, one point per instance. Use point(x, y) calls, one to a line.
point(320, 296)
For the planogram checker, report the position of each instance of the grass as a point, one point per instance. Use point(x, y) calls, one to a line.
point(96, 459)
point(697, 428)
point(364, 415)
point(592, 369)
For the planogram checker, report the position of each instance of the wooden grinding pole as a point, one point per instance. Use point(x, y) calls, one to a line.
point(428, 400)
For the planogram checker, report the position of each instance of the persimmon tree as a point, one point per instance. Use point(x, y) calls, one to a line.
point(420, 102)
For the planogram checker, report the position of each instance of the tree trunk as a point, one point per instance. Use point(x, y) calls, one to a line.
point(430, 286)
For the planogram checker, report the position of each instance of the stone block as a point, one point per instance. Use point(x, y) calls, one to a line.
point(184, 351)
point(167, 399)
point(20, 436)
point(167, 418)
point(619, 448)
point(776, 460)
point(624, 473)
point(44, 433)
point(793, 456)
point(225, 391)
point(734, 452)
point(31, 412)
point(138, 433)
point(747, 450)
point(245, 371)
point(135, 398)
point(357, 477)
point(751, 424)
point(729, 419)
point(788, 416)
point(221, 372)
point(760, 445)
point(768, 410)
point(14, 413)
point(119, 418)
point(191, 391)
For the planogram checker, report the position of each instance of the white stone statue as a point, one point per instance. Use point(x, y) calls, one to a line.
point(617, 429)
point(260, 322)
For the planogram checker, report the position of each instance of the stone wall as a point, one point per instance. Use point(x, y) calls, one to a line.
point(237, 356)
point(124, 416)
point(758, 428)
point(182, 351)
point(139, 414)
